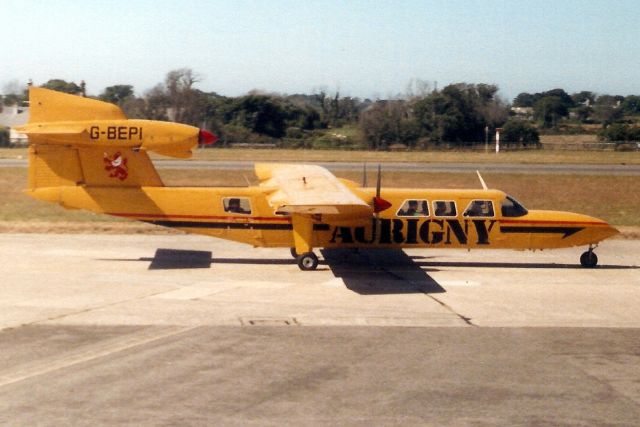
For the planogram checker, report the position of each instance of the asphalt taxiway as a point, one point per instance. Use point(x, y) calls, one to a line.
point(186, 330)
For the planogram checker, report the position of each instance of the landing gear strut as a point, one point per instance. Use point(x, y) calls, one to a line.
point(589, 259)
point(307, 261)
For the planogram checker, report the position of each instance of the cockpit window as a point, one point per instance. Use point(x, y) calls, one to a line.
point(479, 208)
point(414, 207)
point(511, 208)
point(444, 208)
point(239, 205)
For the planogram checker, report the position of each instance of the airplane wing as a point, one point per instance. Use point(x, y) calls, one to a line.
point(309, 190)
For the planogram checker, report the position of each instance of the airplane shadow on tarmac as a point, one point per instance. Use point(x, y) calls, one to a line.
point(476, 264)
point(380, 271)
point(344, 261)
point(367, 272)
point(180, 259)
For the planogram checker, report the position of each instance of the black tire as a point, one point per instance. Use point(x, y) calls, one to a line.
point(307, 261)
point(294, 253)
point(588, 259)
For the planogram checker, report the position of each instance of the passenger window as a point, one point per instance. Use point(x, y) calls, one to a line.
point(239, 205)
point(413, 207)
point(479, 208)
point(444, 208)
point(511, 208)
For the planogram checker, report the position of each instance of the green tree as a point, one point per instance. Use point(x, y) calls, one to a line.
point(63, 86)
point(583, 112)
point(565, 98)
point(459, 113)
point(517, 131)
point(306, 118)
point(334, 111)
point(258, 113)
point(631, 105)
point(548, 110)
point(117, 94)
point(529, 100)
point(524, 99)
point(584, 97)
point(155, 105)
point(4, 137)
point(387, 122)
point(15, 93)
point(607, 109)
point(619, 132)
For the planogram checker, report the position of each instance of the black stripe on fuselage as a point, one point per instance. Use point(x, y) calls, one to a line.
point(567, 231)
point(232, 225)
point(223, 225)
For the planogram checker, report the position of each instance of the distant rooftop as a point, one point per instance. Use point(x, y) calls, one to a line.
point(14, 116)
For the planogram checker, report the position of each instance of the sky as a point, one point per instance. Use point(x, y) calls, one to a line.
point(366, 49)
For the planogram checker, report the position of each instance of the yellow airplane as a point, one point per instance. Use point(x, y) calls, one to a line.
point(85, 154)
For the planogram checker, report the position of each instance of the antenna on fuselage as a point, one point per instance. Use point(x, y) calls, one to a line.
point(484, 186)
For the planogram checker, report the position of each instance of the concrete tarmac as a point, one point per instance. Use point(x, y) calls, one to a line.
point(187, 330)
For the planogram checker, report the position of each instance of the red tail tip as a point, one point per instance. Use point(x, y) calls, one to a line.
point(206, 138)
point(380, 204)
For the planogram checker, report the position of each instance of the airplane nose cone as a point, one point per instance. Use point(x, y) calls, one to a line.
point(609, 231)
point(600, 232)
point(206, 138)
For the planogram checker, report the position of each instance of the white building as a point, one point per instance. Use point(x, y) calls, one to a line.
point(11, 117)
point(522, 111)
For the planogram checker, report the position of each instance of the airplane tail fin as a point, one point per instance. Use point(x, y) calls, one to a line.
point(47, 106)
point(54, 161)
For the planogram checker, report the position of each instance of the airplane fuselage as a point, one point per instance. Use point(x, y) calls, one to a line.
point(202, 210)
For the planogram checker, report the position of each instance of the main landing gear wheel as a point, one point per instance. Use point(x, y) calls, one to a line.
point(307, 261)
point(589, 259)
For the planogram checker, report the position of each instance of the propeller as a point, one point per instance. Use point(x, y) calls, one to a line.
point(364, 174)
point(379, 204)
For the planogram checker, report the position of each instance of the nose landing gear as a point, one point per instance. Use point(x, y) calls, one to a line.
point(307, 261)
point(589, 259)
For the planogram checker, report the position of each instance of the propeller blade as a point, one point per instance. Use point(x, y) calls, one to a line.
point(379, 182)
point(379, 204)
point(364, 174)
